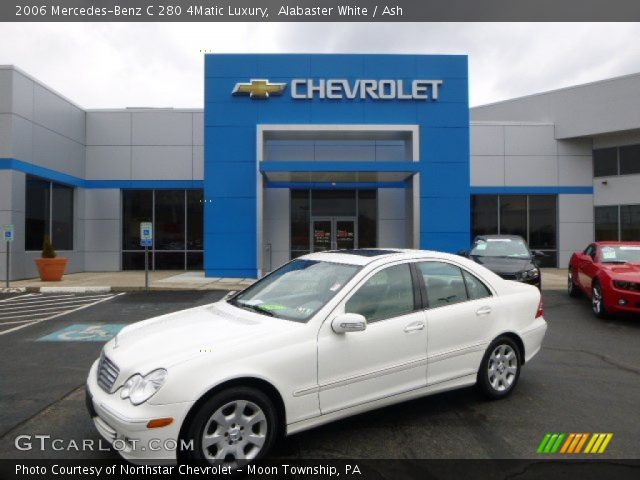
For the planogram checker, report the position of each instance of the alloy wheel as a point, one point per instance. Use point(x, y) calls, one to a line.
point(236, 432)
point(502, 367)
point(596, 300)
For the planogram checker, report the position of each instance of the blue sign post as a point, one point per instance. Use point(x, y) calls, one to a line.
point(146, 240)
point(7, 234)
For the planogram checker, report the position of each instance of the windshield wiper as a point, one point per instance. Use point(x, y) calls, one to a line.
point(615, 261)
point(255, 308)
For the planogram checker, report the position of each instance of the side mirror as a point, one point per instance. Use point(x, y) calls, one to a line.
point(539, 254)
point(349, 322)
point(462, 253)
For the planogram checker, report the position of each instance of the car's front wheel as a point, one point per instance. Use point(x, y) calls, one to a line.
point(572, 288)
point(500, 368)
point(597, 301)
point(234, 427)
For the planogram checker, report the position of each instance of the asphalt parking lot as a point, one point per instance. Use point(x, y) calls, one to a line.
point(586, 379)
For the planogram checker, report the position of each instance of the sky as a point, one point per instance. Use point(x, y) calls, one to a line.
point(114, 65)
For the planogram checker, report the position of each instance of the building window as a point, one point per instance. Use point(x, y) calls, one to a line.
point(48, 211)
point(616, 161)
point(605, 162)
point(629, 222)
point(533, 217)
point(606, 223)
point(177, 218)
point(630, 159)
point(617, 222)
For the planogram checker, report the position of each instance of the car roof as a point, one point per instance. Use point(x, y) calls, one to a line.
point(512, 237)
point(368, 256)
point(615, 242)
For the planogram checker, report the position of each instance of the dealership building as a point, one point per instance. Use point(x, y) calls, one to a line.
point(299, 153)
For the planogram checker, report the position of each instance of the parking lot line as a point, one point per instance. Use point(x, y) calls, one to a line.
point(47, 299)
point(63, 309)
point(42, 306)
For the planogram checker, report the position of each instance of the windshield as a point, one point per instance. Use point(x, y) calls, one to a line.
point(500, 247)
point(620, 254)
point(297, 290)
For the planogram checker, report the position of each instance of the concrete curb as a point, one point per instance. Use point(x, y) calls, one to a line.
point(126, 289)
point(98, 289)
point(13, 290)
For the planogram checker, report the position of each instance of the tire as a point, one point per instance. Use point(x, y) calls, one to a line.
point(572, 288)
point(500, 368)
point(234, 427)
point(597, 301)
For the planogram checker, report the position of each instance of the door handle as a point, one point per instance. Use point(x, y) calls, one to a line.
point(483, 311)
point(414, 327)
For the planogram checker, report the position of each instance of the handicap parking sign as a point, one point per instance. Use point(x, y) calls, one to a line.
point(146, 234)
point(82, 332)
point(7, 233)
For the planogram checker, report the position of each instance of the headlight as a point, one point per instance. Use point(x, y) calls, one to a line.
point(530, 274)
point(624, 285)
point(139, 389)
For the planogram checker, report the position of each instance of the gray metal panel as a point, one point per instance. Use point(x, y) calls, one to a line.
point(573, 236)
point(487, 139)
point(277, 226)
point(6, 90)
point(610, 105)
point(575, 146)
point(575, 170)
point(529, 170)
point(617, 139)
point(57, 152)
point(102, 235)
point(161, 128)
point(575, 208)
point(51, 111)
point(198, 162)
point(6, 140)
point(108, 163)
point(391, 204)
point(108, 128)
point(102, 262)
point(617, 190)
point(487, 170)
point(529, 140)
point(102, 204)
point(22, 139)
point(391, 233)
point(198, 128)
point(22, 95)
point(161, 163)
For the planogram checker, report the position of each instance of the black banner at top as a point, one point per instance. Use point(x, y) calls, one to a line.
point(318, 10)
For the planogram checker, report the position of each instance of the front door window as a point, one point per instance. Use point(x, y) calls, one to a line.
point(333, 233)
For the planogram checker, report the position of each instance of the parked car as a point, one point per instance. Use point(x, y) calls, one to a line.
point(508, 256)
point(326, 336)
point(609, 274)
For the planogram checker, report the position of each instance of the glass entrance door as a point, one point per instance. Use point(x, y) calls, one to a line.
point(333, 233)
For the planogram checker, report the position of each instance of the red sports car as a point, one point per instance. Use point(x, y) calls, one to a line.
point(609, 274)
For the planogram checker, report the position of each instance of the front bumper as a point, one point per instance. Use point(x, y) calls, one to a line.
point(124, 425)
point(630, 301)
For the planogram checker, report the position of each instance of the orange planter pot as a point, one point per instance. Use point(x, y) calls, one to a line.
point(51, 269)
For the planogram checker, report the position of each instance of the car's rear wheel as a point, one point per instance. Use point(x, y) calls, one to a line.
point(500, 368)
point(597, 301)
point(572, 288)
point(234, 427)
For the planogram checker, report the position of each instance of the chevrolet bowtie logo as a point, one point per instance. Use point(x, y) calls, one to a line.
point(258, 88)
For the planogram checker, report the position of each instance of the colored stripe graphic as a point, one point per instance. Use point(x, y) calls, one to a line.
point(573, 443)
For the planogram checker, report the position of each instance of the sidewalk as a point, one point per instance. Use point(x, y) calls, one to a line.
point(552, 279)
point(133, 281)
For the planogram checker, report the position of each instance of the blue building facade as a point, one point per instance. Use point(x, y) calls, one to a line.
point(410, 111)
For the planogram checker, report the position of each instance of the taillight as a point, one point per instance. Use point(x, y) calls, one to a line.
point(539, 312)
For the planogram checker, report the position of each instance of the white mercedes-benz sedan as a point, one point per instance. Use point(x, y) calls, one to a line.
point(326, 336)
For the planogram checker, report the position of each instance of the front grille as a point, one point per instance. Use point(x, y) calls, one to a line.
point(107, 373)
point(509, 276)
